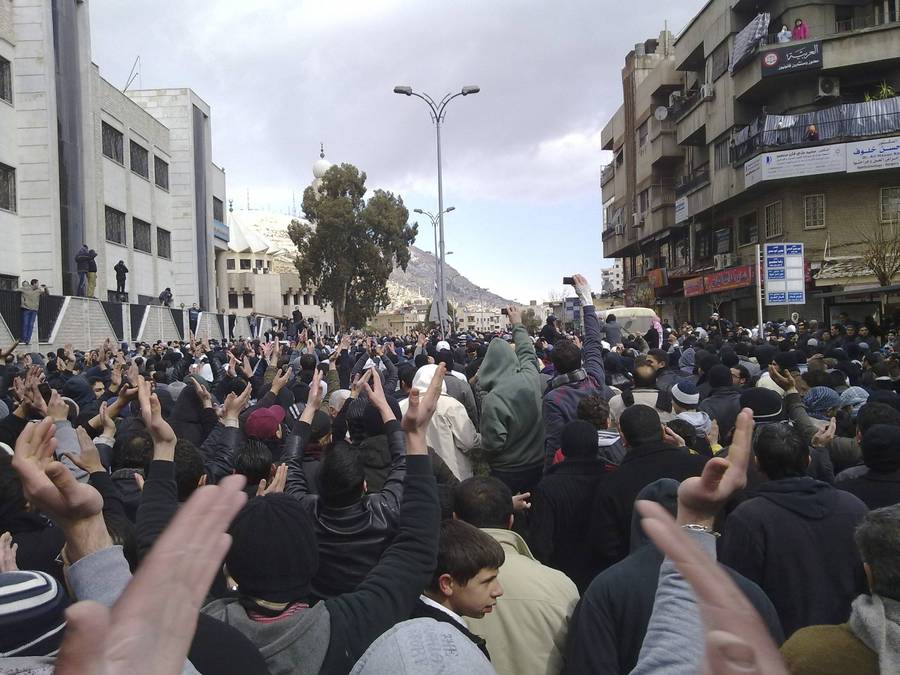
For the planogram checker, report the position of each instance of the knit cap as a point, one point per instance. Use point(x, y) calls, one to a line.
point(32, 619)
point(686, 393)
point(767, 405)
point(273, 553)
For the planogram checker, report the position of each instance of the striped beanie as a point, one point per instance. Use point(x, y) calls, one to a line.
point(32, 614)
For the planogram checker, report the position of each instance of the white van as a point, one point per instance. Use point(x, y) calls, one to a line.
point(633, 320)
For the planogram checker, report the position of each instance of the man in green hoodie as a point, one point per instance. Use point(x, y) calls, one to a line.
point(512, 426)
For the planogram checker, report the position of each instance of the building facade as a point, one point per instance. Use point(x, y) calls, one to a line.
point(81, 162)
point(731, 136)
point(612, 279)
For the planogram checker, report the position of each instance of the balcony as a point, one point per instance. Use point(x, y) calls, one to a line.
point(697, 179)
point(682, 106)
point(608, 173)
point(848, 121)
point(661, 197)
point(663, 146)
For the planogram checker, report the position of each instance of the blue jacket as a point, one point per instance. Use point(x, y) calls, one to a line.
point(561, 402)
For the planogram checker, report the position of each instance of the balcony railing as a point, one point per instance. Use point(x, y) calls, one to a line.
point(662, 196)
point(696, 179)
point(689, 101)
point(607, 173)
point(837, 123)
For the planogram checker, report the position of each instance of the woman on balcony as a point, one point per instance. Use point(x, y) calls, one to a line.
point(801, 31)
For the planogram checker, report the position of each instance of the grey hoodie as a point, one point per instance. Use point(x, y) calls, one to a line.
point(876, 622)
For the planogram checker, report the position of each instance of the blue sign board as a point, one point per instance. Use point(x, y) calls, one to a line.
point(785, 274)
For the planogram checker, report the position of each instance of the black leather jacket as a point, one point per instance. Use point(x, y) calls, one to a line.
point(351, 538)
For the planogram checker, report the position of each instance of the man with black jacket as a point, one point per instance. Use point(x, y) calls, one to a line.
point(353, 528)
point(795, 538)
point(654, 452)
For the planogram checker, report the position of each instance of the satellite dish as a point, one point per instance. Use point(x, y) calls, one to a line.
point(661, 113)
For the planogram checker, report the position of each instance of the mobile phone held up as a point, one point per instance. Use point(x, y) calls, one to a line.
point(568, 281)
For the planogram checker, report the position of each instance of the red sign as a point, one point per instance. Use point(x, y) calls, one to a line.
point(658, 278)
point(726, 280)
point(694, 287)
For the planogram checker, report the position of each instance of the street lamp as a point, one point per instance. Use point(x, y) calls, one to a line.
point(438, 113)
point(434, 224)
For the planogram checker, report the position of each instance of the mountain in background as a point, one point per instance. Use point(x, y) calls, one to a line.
point(418, 282)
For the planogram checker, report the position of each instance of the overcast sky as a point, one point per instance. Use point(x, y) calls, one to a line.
point(521, 159)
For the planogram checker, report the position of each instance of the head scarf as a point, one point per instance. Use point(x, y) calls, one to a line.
point(854, 398)
point(819, 399)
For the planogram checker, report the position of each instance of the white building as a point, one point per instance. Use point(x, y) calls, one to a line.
point(613, 278)
point(81, 162)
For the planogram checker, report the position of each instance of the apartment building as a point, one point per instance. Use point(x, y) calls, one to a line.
point(612, 279)
point(731, 136)
point(82, 162)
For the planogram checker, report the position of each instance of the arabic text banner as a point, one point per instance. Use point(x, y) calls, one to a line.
point(873, 155)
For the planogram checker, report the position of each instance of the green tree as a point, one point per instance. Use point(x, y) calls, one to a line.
point(530, 321)
point(354, 244)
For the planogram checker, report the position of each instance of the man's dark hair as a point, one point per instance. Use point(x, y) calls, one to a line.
point(644, 376)
point(308, 362)
point(874, 413)
point(659, 355)
point(781, 451)
point(565, 356)
point(878, 541)
point(189, 468)
point(341, 476)
point(594, 409)
point(253, 460)
point(640, 424)
point(134, 452)
point(463, 551)
point(406, 372)
point(610, 318)
point(483, 502)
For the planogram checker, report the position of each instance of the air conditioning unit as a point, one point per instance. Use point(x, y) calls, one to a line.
point(730, 260)
point(620, 229)
point(674, 98)
point(829, 87)
point(707, 91)
point(719, 261)
point(638, 219)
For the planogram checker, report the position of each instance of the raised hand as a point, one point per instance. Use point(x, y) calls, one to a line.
point(784, 380)
point(359, 386)
point(277, 484)
point(151, 411)
point(8, 352)
point(281, 379)
point(89, 458)
point(824, 436)
point(521, 502)
point(514, 314)
point(235, 404)
point(376, 392)
point(150, 627)
point(202, 393)
point(8, 553)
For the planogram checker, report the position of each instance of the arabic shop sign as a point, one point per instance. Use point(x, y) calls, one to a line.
point(881, 153)
point(797, 162)
point(726, 280)
point(694, 287)
point(791, 59)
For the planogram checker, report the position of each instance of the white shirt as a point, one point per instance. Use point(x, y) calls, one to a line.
point(449, 612)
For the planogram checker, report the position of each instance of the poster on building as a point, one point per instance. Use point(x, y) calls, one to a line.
point(730, 279)
point(873, 155)
point(752, 173)
point(802, 162)
point(682, 212)
point(658, 277)
point(791, 59)
point(785, 274)
point(694, 287)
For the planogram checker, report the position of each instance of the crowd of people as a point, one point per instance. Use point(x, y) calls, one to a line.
point(705, 498)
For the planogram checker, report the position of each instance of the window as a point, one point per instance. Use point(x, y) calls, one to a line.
point(141, 232)
point(296, 298)
point(642, 133)
point(306, 298)
point(644, 201)
point(9, 282)
point(5, 80)
point(747, 229)
point(285, 299)
point(245, 264)
point(229, 264)
point(7, 188)
point(890, 204)
point(773, 220)
point(719, 61)
point(218, 210)
point(260, 264)
point(722, 154)
point(813, 212)
point(232, 301)
point(723, 240)
point(248, 300)
point(163, 243)
point(115, 226)
point(703, 244)
point(113, 143)
point(161, 173)
point(315, 299)
point(140, 160)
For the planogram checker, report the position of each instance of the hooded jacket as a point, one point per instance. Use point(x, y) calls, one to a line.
point(795, 539)
point(609, 624)
point(512, 429)
point(723, 405)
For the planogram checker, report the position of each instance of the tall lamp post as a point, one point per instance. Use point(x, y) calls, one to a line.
point(438, 113)
point(434, 225)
